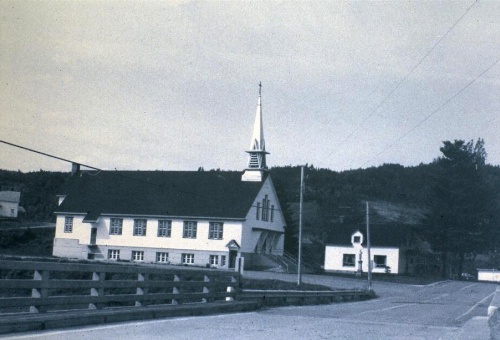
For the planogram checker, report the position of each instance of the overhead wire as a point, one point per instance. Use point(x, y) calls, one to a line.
point(48, 155)
point(119, 174)
point(115, 172)
point(345, 139)
point(433, 112)
point(372, 112)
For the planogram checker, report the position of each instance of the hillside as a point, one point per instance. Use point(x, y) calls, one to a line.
point(397, 194)
point(38, 190)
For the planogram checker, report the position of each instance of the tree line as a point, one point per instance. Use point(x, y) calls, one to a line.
point(453, 202)
point(456, 199)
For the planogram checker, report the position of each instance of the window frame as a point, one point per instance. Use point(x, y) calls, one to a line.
point(213, 260)
point(68, 224)
point(265, 208)
point(215, 230)
point(187, 258)
point(377, 264)
point(190, 229)
point(164, 230)
point(162, 257)
point(346, 260)
point(113, 254)
point(137, 256)
point(115, 229)
point(140, 230)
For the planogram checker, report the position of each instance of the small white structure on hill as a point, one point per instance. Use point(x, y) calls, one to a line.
point(9, 203)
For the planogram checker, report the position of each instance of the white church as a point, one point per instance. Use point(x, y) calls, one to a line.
point(200, 218)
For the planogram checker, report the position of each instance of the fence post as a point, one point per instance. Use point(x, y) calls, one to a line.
point(141, 290)
point(175, 290)
point(231, 289)
point(42, 292)
point(205, 289)
point(98, 291)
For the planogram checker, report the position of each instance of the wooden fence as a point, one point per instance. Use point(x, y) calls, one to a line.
point(49, 286)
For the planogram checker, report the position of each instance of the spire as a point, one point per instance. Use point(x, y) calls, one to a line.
point(257, 152)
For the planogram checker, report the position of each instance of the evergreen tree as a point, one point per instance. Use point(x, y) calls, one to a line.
point(459, 223)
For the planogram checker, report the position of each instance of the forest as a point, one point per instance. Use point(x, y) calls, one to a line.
point(453, 202)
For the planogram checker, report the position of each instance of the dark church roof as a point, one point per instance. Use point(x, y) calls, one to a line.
point(210, 194)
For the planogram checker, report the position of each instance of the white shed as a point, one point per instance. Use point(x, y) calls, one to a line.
point(491, 275)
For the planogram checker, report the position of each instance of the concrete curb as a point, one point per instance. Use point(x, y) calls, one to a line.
point(474, 329)
point(26, 322)
point(292, 297)
point(494, 316)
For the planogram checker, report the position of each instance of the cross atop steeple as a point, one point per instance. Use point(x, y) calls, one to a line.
point(257, 153)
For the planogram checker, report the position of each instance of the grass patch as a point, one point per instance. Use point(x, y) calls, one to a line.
point(34, 241)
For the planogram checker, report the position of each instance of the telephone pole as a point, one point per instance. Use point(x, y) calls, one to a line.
point(368, 246)
point(299, 269)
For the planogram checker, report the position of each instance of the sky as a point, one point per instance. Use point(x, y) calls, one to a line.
point(173, 85)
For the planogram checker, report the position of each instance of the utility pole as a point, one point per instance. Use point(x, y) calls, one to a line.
point(368, 246)
point(299, 269)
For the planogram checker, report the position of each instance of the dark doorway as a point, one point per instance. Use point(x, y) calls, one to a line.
point(93, 235)
point(232, 258)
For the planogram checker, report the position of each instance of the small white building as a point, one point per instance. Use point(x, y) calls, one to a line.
point(9, 203)
point(490, 275)
point(203, 218)
point(389, 247)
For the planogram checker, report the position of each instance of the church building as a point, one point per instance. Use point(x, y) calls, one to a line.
point(201, 218)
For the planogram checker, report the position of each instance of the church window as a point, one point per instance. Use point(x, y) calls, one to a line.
point(162, 257)
point(164, 228)
point(189, 229)
point(215, 230)
point(257, 216)
point(116, 226)
point(140, 227)
point(114, 254)
point(68, 224)
point(265, 208)
point(214, 260)
point(137, 255)
point(187, 258)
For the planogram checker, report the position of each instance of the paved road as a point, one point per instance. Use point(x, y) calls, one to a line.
point(435, 311)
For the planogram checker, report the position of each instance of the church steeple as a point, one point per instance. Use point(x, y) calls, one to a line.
point(257, 152)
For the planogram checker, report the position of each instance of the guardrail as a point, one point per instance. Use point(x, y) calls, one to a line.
point(78, 294)
point(285, 297)
point(494, 315)
point(39, 287)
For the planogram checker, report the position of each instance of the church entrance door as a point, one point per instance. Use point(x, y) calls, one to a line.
point(233, 254)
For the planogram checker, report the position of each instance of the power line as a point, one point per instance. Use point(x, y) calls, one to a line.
point(433, 112)
point(48, 155)
point(371, 113)
point(115, 173)
point(119, 174)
